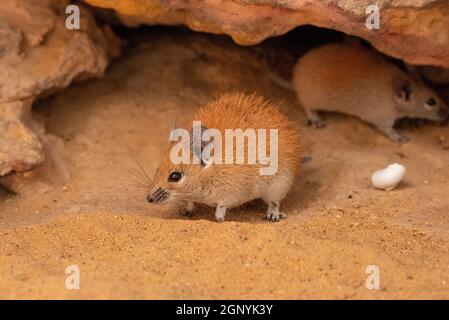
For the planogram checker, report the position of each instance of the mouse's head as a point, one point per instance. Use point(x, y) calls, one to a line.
point(177, 180)
point(415, 99)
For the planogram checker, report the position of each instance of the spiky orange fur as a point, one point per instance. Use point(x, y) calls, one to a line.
point(230, 185)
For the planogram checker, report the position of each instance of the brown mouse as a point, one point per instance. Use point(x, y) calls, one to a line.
point(349, 78)
point(223, 185)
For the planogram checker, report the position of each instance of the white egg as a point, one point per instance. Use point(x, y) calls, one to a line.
point(388, 178)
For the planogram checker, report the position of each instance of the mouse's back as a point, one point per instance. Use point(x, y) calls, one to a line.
point(342, 76)
point(235, 111)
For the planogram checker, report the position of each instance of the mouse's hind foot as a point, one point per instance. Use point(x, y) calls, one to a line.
point(273, 213)
point(275, 217)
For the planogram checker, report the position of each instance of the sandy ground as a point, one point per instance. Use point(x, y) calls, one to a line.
point(86, 209)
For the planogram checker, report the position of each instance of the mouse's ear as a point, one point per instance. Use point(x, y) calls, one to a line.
point(402, 88)
point(197, 145)
point(173, 128)
point(413, 70)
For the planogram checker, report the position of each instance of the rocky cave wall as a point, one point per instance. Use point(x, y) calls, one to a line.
point(416, 31)
point(40, 56)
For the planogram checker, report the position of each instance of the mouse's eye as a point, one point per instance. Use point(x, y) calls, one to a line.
point(175, 176)
point(430, 103)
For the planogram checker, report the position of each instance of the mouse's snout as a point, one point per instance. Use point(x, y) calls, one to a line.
point(438, 108)
point(158, 196)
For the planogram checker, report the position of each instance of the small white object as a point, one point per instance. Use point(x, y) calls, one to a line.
point(388, 178)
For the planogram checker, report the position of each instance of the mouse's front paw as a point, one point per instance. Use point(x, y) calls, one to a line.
point(188, 209)
point(220, 218)
point(403, 139)
point(393, 135)
point(220, 213)
point(187, 213)
point(399, 138)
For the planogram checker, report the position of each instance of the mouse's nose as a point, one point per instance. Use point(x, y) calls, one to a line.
point(158, 196)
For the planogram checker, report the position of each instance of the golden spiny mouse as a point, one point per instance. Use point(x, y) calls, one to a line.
point(228, 185)
point(349, 78)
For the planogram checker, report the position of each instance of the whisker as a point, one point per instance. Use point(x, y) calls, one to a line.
point(139, 178)
point(160, 154)
point(150, 168)
point(139, 185)
point(141, 167)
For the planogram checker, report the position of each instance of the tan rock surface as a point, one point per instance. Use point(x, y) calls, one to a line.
point(20, 147)
point(39, 56)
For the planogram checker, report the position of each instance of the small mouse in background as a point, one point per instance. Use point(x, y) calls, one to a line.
point(225, 186)
point(349, 78)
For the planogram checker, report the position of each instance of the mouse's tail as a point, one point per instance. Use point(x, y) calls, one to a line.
point(279, 80)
